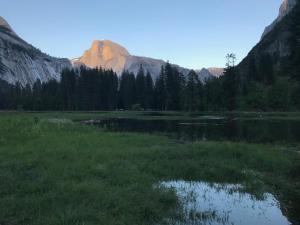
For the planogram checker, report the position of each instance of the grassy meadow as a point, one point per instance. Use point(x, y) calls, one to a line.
point(55, 171)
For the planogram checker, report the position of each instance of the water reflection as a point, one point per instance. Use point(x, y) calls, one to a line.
point(223, 204)
point(211, 128)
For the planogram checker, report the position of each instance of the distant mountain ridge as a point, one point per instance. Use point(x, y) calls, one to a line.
point(110, 55)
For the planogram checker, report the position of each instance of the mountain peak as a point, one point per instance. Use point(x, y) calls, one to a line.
point(285, 8)
point(105, 54)
point(108, 46)
point(4, 23)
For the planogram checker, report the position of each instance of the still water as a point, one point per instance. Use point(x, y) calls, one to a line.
point(210, 128)
point(223, 204)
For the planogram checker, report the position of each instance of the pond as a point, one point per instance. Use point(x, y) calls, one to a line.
point(222, 204)
point(210, 128)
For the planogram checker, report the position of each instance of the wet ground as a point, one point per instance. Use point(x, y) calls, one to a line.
point(222, 204)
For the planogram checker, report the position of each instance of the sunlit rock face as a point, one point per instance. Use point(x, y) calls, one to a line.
point(285, 8)
point(105, 54)
point(21, 62)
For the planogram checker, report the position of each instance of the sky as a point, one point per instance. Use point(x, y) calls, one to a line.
point(190, 33)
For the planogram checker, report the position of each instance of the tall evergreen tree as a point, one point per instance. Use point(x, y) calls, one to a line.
point(140, 87)
point(173, 87)
point(127, 90)
point(160, 91)
point(68, 88)
point(27, 97)
point(230, 83)
point(266, 71)
point(192, 92)
point(148, 91)
point(213, 95)
point(112, 90)
point(50, 96)
point(37, 95)
point(252, 73)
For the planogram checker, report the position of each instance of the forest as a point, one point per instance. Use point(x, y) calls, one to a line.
point(99, 89)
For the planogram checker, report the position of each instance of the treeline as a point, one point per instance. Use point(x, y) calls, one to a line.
point(99, 89)
point(258, 89)
point(78, 89)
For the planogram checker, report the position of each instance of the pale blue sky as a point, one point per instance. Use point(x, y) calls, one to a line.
point(191, 33)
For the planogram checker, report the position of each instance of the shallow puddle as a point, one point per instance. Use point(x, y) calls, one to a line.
point(222, 204)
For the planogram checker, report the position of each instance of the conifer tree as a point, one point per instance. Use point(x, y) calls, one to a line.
point(140, 87)
point(192, 91)
point(127, 90)
point(68, 85)
point(37, 95)
point(148, 91)
point(266, 71)
point(160, 91)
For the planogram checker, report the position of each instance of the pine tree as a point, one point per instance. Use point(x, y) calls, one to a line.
point(266, 70)
point(127, 90)
point(173, 87)
point(68, 89)
point(112, 90)
point(169, 83)
point(252, 73)
point(148, 91)
point(200, 101)
point(230, 83)
point(28, 97)
point(160, 91)
point(213, 95)
point(140, 87)
point(37, 95)
point(192, 91)
point(50, 95)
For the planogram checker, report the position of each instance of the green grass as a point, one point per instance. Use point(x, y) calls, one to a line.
point(67, 173)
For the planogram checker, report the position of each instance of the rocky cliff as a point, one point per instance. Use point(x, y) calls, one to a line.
point(276, 42)
point(23, 63)
point(285, 8)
